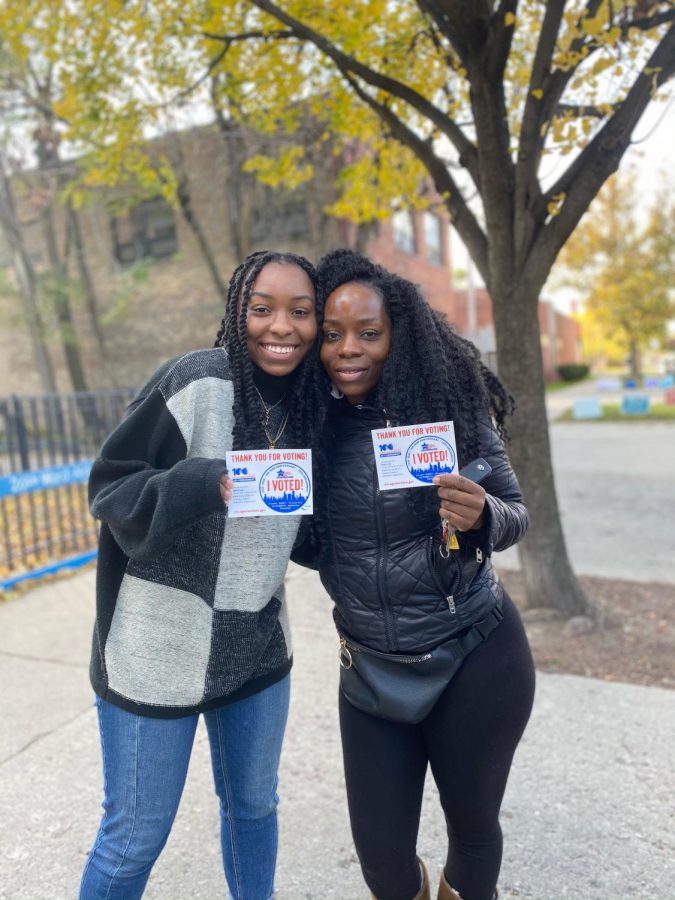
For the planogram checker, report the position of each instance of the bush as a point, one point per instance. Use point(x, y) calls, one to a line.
point(573, 371)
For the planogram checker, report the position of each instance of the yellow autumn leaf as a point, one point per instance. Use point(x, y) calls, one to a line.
point(555, 203)
point(593, 26)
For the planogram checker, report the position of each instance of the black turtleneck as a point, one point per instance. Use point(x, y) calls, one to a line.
point(272, 387)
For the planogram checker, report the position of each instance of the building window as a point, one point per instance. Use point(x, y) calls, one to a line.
point(280, 216)
point(146, 231)
point(433, 238)
point(404, 231)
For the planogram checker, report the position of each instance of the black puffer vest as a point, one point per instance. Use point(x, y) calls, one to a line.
point(392, 589)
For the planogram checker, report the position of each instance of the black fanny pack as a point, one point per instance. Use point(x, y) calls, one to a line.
point(404, 688)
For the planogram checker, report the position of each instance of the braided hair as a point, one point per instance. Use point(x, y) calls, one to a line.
point(431, 374)
point(248, 426)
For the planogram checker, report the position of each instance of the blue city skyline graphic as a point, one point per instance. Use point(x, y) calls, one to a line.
point(427, 472)
point(285, 501)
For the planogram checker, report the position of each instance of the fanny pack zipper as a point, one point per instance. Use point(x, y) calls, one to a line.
point(393, 657)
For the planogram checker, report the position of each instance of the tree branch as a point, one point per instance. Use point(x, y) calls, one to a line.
point(346, 63)
point(248, 36)
point(191, 88)
point(502, 37)
point(531, 142)
point(462, 218)
point(580, 111)
point(647, 22)
point(465, 23)
point(597, 161)
point(539, 111)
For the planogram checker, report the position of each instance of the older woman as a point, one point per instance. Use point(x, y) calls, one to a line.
point(420, 613)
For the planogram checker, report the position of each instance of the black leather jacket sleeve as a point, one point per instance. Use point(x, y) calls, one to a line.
point(505, 518)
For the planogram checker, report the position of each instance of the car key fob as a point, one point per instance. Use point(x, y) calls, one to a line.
point(476, 470)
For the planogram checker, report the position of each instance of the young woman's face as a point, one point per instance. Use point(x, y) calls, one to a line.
point(356, 339)
point(281, 318)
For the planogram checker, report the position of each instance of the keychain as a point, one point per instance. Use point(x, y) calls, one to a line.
point(448, 540)
point(476, 470)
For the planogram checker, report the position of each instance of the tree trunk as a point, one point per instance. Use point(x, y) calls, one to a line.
point(364, 232)
point(185, 202)
point(549, 579)
point(635, 359)
point(27, 283)
point(61, 302)
point(238, 211)
point(90, 295)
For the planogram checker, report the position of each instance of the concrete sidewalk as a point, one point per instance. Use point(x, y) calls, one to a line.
point(588, 810)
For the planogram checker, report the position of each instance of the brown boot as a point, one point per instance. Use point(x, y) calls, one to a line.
point(445, 892)
point(424, 892)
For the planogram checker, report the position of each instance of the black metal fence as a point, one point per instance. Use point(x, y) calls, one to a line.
point(46, 445)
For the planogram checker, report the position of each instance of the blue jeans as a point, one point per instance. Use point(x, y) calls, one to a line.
point(145, 763)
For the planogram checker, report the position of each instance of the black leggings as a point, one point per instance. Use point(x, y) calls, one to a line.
point(469, 739)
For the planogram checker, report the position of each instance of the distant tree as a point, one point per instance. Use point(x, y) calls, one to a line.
point(623, 269)
point(26, 281)
point(30, 42)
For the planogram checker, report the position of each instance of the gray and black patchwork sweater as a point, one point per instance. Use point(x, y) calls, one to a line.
point(190, 608)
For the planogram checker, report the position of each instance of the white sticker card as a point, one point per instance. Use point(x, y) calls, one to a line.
point(270, 483)
point(410, 456)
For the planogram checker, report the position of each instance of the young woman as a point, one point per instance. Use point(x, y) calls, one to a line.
point(400, 592)
point(190, 614)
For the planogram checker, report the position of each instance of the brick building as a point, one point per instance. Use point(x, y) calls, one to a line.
point(560, 334)
point(156, 292)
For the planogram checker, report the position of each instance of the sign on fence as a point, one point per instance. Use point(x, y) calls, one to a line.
point(41, 479)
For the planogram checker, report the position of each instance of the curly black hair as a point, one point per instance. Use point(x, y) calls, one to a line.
point(302, 401)
point(431, 374)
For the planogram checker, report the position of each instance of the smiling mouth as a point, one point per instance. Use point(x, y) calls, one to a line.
point(349, 374)
point(280, 349)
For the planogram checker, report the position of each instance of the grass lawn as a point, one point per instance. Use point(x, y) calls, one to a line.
point(611, 412)
point(552, 386)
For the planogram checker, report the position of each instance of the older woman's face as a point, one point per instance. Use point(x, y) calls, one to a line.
point(356, 339)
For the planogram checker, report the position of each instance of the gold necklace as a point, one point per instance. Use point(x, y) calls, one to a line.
point(272, 441)
point(267, 412)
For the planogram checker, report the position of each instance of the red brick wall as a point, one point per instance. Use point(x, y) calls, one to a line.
point(483, 310)
point(560, 339)
point(567, 331)
point(435, 281)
